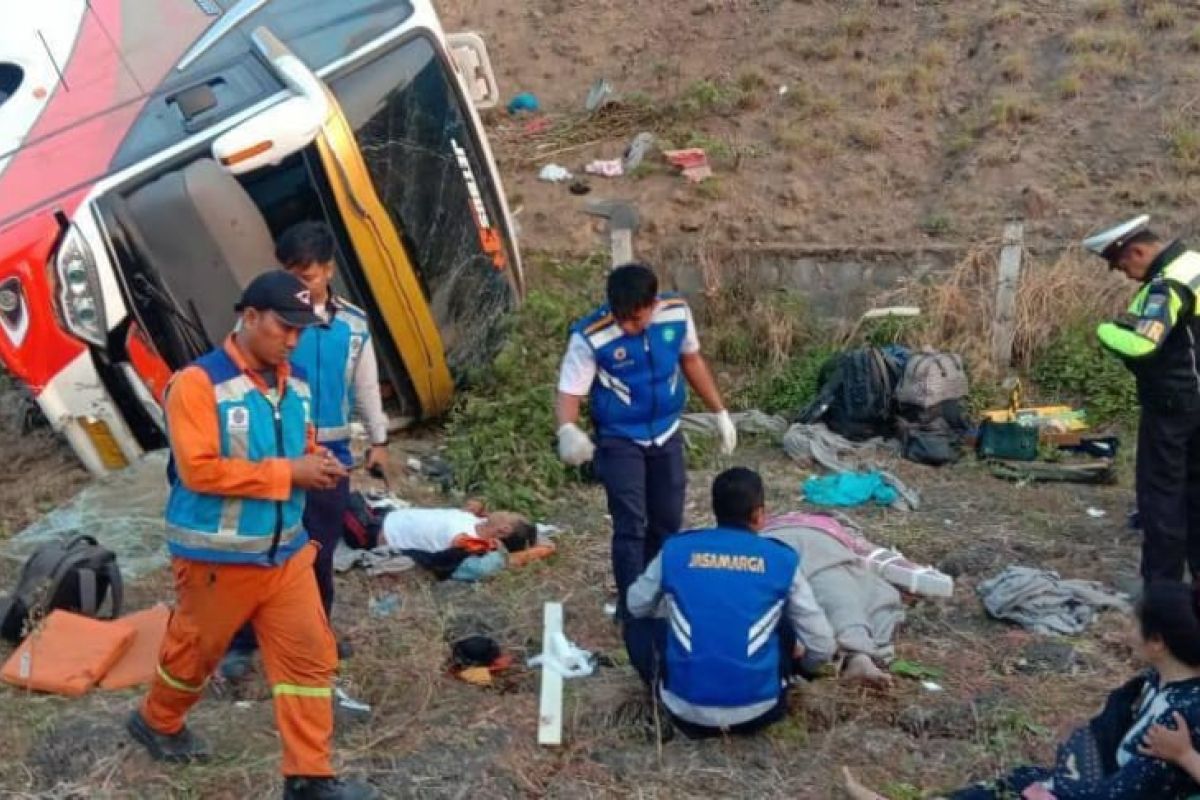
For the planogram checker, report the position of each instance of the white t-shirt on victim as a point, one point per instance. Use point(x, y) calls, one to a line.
point(427, 529)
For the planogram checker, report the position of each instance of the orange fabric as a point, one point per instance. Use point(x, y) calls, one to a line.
point(196, 439)
point(139, 663)
point(297, 646)
point(473, 544)
point(68, 654)
point(531, 554)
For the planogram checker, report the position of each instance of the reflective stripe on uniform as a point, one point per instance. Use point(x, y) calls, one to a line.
point(175, 683)
point(301, 691)
point(229, 540)
point(1185, 270)
point(336, 433)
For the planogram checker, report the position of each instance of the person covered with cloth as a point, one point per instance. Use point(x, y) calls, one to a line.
point(339, 360)
point(723, 617)
point(1119, 754)
point(1156, 338)
point(243, 454)
point(627, 358)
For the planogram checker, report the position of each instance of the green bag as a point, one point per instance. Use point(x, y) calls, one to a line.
point(1010, 441)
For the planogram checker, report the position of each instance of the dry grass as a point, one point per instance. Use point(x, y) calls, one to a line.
point(1008, 14)
point(1016, 67)
point(1162, 16)
point(1052, 296)
point(1183, 140)
point(1119, 44)
point(1069, 86)
point(1098, 10)
point(1193, 40)
point(1014, 109)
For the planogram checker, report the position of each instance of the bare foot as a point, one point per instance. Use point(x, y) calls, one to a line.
point(860, 668)
point(856, 790)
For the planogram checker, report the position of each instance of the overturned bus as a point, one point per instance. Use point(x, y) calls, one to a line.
point(151, 151)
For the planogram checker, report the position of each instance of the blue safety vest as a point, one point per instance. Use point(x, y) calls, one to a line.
point(726, 591)
point(243, 530)
point(329, 355)
point(638, 392)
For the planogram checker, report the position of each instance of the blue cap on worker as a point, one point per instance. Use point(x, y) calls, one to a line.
point(283, 293)
point(1108, 243)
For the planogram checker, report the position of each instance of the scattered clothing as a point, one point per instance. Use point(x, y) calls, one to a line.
point(816, 444)
point(608, 168)
point(752, 422)
point(637, 150)
point(849, 489)
point(380, 561)
point(693, 163)
point(863, 609)
point(553, 173)
point(1042, 602)
point(476, 568)
point(525, 101)
point(888, 563)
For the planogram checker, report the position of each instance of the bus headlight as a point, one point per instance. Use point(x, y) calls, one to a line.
point(79, 289)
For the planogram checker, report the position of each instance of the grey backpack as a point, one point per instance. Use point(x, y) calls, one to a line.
point(931, 379)
point(74, 574)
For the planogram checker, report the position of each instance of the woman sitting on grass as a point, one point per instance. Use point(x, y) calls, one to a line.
point(1126, 752)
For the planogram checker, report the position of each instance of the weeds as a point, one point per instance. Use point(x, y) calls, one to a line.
point(1073, 366)
point(1069, 86)
point(1015, 67)
point(1183, 140)
point(937, 225)
point(1193, 40)
point(1097, 10)
point(1119, 44)
point(500, 436)
point(1162, 16)
point(865, 134)
point(1008, 13)
point(1011, 110)
point(854, 25)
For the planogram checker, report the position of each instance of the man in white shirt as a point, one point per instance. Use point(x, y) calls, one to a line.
point(432, 530)
point(627, 358)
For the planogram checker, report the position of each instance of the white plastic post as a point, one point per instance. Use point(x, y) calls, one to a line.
point(551, 701)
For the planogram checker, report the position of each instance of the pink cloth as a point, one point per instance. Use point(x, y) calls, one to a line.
point(887, 562)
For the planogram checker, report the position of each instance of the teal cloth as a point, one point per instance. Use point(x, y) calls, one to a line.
point(479, 567)
point(849, 489)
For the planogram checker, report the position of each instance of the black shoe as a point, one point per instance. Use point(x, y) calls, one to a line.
point(178, 748)
point(299, 788)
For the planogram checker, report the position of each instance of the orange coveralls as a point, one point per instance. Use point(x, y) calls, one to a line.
point(215, 600)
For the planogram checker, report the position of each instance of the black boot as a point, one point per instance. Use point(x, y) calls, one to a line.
point(179, 748)
point(300, 788)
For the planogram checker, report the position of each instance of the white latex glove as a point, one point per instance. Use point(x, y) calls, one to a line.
point(728, 433)
point(574, 446)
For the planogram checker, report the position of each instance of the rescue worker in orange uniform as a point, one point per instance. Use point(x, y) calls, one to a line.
point(243, 454)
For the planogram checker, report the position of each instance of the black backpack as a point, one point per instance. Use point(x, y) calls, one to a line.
point(74, 574)
point(857, 396)
point(934, 435)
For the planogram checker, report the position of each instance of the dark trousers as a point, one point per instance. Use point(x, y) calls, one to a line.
point(323, 513)
point(645, 488)
point(1168, 493)
point(646, 643)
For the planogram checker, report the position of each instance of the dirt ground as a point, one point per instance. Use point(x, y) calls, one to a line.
point(1007, 694)
point(903, 124)
point(851, 123)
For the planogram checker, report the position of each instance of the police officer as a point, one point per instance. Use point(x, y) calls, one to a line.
point(738, 612)
point(1157, 340)
point(627, 358)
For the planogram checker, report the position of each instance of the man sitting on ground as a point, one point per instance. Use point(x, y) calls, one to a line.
point(737, 612)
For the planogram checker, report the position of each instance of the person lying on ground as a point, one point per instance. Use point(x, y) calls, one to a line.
point(1105, 759)
point(739, 617)
point(862, 608)
point(432, 530)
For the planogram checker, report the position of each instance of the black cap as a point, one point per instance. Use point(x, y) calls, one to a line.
point(283, 293)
